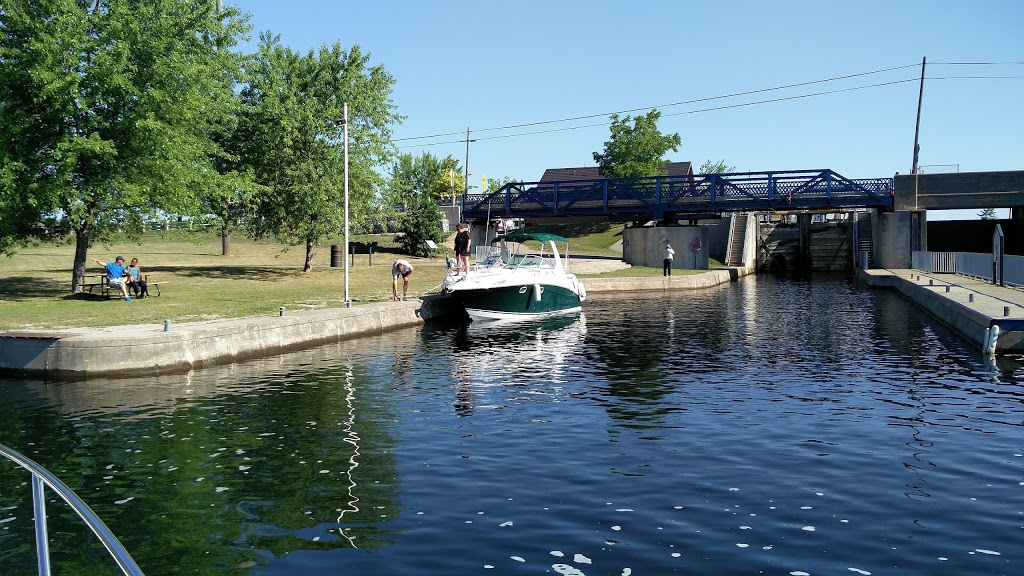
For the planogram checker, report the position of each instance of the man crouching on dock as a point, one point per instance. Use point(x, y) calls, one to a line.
point(400, 268)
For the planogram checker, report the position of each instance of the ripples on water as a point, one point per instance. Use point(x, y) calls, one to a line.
point(770, 426)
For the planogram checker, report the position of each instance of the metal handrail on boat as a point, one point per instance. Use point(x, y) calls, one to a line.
point(42, 477)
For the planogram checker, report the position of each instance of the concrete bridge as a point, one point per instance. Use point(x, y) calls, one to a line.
point(904, 230)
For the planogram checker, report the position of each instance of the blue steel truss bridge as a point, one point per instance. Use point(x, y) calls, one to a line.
point(671, 198)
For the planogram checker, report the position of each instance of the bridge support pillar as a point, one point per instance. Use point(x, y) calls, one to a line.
point(803, 259)
point(645, 246)
point(897, 235)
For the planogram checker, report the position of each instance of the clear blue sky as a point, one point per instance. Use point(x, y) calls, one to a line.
point(485, 64)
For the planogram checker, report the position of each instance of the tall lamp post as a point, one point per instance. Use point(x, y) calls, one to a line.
point(348, 302)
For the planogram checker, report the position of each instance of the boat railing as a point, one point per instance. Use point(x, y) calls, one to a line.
point(41, 477)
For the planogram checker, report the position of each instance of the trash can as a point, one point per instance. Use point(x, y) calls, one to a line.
point(337, 256)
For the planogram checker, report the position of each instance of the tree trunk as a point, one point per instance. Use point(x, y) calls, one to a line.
point(81, 251)
point(225, 241)
point(309, 256)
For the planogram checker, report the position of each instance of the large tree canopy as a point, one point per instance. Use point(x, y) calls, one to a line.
point(636, 150)
point(291, 134)
point(105, 114)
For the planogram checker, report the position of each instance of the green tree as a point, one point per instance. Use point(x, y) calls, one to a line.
point(105, 115)
point(637, 149)
point(291, 134)
point(987, 214)
point(720, 167)
point(421, 222)
point(418, 183)
point(493, 185)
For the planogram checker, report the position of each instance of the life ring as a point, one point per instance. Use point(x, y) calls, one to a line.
point(696, 245)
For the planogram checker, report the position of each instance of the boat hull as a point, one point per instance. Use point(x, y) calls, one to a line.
point(518, 301)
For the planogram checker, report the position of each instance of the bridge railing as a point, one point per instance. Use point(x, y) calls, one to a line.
point(41, 477)
point(659, 196)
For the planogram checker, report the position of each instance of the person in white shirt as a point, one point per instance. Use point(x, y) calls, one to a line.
point(667, 264)
point(400, 268)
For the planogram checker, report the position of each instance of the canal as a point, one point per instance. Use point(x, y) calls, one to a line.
point(771, 426)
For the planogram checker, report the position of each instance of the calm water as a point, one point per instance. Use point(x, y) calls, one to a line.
point(771, 426)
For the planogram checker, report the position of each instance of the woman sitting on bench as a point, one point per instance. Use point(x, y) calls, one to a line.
point(135, 280)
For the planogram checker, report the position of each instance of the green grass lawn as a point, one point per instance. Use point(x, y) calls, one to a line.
point(256, 279)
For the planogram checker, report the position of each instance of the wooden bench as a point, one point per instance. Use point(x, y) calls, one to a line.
point(101, 283)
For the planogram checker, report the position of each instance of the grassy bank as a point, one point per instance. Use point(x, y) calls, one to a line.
point(199, 284)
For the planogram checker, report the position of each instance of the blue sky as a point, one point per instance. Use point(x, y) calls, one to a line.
point(485, 65)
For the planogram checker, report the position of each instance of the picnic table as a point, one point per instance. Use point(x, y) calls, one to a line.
point(100, 281)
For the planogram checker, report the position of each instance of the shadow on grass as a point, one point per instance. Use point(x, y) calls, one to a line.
point(264, 273)
point(25, 287)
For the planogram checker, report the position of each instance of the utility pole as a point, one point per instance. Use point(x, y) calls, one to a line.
point(467, 161)
point(917, 130)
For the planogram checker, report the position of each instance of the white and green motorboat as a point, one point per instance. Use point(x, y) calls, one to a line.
point(510, 280)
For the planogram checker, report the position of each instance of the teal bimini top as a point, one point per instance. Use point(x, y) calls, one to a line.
point(524, 236)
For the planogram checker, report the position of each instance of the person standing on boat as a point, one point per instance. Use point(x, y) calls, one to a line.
point(400, 268)
point(462, 244)
point(667, 264)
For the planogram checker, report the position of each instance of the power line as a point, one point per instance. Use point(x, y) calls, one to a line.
point(695, 101)
point(712, 109)
point(698, 111)
point(976, 64)
point(973, 77)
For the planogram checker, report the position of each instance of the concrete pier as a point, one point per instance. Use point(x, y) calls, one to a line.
point(157, 349)
point(969, 306)
point(171, 347)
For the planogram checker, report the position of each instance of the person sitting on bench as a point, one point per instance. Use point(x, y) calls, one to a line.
point(135, 280)
point(116, 275)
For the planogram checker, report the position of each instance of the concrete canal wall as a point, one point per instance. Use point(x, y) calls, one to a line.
point(967, 305)
point(133, 350)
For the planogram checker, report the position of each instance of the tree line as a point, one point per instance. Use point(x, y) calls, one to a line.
point(115, 113)
point(118, 112)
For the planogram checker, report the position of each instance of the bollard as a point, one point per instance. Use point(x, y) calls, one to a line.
point(1006, 310)
point(280, 311)
point(970, 297)
point(931, 282)
point(167, 325)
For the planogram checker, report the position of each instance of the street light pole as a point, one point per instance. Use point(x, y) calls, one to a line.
point(348, 303)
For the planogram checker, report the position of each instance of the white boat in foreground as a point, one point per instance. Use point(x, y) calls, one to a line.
point(507, 283)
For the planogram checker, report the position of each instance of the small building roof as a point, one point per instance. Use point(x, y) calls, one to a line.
point(593, 172)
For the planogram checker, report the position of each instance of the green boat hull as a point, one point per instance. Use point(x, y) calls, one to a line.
point(508, 302)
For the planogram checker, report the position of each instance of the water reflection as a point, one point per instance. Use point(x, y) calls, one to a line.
point(768, 426)
point(247, 458)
